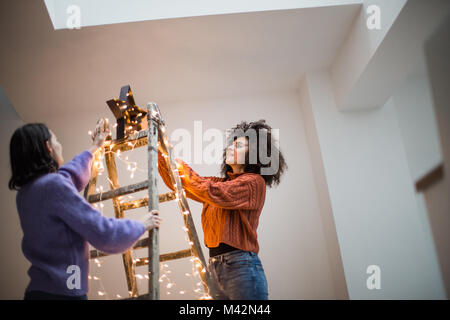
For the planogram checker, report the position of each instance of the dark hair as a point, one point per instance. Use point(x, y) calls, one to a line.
point(239, 131)
point(28, 154)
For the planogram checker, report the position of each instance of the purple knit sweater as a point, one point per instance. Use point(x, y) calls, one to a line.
point(58, 223)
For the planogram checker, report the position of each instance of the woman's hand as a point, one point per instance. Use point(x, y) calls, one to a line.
point(182, 170)
point(152, 220)
point(100, 134)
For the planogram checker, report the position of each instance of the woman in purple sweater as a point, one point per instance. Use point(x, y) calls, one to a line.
point(57, 222)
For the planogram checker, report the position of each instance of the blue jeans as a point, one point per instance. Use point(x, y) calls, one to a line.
point(237, 275)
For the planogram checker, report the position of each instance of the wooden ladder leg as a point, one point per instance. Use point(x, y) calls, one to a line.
point(153, 204)
point(202, 268)
point(188, 221)
point(127, 256)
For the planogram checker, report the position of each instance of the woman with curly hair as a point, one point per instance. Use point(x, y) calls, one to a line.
point(232, 205)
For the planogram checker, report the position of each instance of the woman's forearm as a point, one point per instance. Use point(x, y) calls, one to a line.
point(93, 149)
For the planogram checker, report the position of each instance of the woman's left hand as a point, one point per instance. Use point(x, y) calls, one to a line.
point(101, 132)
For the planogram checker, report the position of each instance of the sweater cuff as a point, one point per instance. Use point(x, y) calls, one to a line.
point(88, 153)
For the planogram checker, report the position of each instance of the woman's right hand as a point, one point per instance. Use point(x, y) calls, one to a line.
point(152, 220)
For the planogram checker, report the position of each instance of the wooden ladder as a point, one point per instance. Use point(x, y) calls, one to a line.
point(154, 137)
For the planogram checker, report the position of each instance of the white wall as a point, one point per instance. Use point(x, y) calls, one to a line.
point(372, 196)
point(291, 233)
point(13, 277)
point(438, 202)
point(417, 121)
point(360, 46)
point(415, 112)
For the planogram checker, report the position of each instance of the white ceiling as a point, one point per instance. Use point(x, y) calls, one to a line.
point(45, 71)
point(99, 12)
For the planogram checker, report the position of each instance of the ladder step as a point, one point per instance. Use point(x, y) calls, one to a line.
point(143, 243)
point(145, 296)
point(118, 192)
point(167, 257)
point(144, 202)
point(134, 142)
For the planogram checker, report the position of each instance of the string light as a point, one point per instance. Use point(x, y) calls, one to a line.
point(132, 167)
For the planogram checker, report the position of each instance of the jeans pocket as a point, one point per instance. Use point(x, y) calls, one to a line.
point(237, 260)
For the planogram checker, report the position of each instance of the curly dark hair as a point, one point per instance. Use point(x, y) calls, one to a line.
point(259, 126)
point(29, 156)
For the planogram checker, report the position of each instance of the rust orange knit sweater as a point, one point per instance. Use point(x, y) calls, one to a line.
point(231, 206)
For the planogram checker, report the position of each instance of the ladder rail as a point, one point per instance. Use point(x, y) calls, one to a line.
point(154, 138)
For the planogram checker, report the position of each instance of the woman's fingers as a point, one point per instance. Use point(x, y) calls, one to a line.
point(101, 129)
point(152, 220)
point(154, 215)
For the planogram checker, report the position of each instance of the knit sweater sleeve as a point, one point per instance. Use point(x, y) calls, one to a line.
point(165, 175)
point(243, 192)
point(78, 170)
point(106, 234)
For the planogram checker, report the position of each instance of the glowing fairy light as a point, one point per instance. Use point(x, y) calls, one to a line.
point(132, 168)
